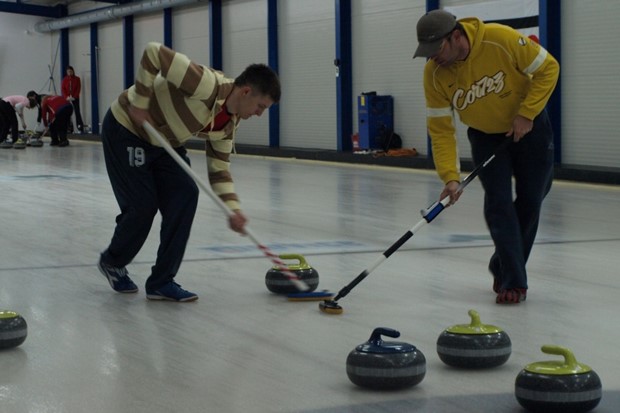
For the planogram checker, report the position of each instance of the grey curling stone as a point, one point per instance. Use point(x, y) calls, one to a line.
point(13, 329)
point(474, 345)
point(277, 282)
point(385, 365)
point(558, 386)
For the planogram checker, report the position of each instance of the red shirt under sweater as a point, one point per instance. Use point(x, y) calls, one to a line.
point(221, 119)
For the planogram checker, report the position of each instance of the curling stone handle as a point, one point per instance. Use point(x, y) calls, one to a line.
point(569, 357)
point(375, 337)
point(299, 257)
point(475, 318)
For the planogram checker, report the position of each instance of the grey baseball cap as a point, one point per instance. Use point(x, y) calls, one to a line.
point(432, 28)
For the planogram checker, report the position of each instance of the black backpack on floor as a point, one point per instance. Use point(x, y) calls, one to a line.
point(388, 139)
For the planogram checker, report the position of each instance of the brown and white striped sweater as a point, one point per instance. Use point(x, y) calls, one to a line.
point(183, 98)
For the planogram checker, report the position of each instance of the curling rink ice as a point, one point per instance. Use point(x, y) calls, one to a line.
point(241, 348)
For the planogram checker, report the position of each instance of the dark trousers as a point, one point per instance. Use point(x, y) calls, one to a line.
point(8, 121)
point(513, 223)
point(146, 179)
point(78, 115)
point(58, 128)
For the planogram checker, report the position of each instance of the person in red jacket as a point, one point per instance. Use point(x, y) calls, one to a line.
point(71, 87)
point(56, 114)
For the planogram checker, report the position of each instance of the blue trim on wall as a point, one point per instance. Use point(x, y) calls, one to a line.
point(430, 5)
point(64, 54)
point(168, 27)
point(549, 27)
point(215, 34)
point(94, 67)
point(344, 87)
point(128, 72)
point(32, 10)
point(273, 57)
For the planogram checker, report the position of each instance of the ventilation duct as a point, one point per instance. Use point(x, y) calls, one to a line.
point(109, 13)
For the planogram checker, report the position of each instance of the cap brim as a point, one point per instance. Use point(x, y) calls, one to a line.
point(428, 49)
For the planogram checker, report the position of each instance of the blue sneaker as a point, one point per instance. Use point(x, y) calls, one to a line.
point(171, 292)
point(118, 278)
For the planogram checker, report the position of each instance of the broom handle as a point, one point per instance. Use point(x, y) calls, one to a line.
point(435, 209)
point(275, 259)
point(428, 215)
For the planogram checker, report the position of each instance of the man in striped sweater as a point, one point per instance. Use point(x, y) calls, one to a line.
point(498, 81)
point(181, 99)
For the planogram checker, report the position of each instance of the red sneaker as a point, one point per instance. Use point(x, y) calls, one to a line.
point(511, 296)
point(494, 270)
point(496, 285)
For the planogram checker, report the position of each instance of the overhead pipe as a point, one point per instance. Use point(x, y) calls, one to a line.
point(109, 13)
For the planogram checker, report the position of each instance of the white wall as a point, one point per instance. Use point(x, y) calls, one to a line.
point(244, 41)
point(26, 57)
point(590, 83)
point(307, 72)
point(110, 64)
point(146, 28)
point(383, 43)
point(190, 32)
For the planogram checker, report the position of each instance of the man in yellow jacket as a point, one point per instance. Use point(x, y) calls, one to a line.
point(498, 81)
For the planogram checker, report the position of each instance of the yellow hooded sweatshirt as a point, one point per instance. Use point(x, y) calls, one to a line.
point(505, 74)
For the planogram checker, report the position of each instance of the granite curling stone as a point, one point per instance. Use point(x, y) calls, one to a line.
point(13, 329)
point(474, 345)
point(385, 365)
point(277, 282)
point(558, 386)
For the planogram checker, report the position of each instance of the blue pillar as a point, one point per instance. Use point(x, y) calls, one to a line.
point(430, 5)
point(168, 27)
point(272, 51)
point(215, 33)
point(128, 64)
point(344, 66)
point(549, 28)
point(64, 54)
point(94, 69)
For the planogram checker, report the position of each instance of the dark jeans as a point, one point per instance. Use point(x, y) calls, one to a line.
point(513, 223)
point(8, 121)
point(78, 116)
point(58, 128)
point(146, 179)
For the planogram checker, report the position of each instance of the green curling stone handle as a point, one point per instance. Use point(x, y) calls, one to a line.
point(303, 264)
point(569, 365)
point(474, 327)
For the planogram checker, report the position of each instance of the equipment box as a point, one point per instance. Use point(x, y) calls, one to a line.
point(375, 113)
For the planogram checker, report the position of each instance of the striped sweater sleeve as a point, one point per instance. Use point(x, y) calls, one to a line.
point(188, 77)
point(219, 146)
